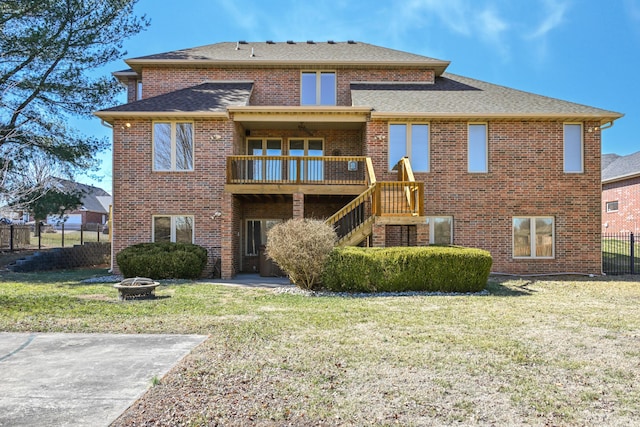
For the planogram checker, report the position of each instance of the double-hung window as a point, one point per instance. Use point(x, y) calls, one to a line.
point(533, 237)
point(478, 149)
point(573, 148)
point(173, 228)
point(318, 88)
point(173, 146)
point(409, 140)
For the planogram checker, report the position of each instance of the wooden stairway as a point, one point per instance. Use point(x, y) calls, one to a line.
point(395, 202)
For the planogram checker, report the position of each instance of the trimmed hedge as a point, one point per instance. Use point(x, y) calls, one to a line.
point(162, 260)
point(398, 269)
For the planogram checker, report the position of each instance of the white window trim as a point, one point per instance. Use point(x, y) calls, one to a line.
point(264, 144)
point(173, 124)
point(173, 226)
point(318, 74)
point(306, 144)
point(432, 227)
point(564, 145)
point(612, 210)
point(486, 147)
point(533, 233)
point(408, 143)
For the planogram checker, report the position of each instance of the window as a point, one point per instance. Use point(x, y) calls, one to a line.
point(533, 237)
point(477, 152)
point(257, 233)
point(612, 206)
point(138, 90)
point(573, 157)
point(268, 169)
point(173, 228)
point(318, 88)
point(440, 230)
point(409, 140)
point(172, 146)
point(310, 170)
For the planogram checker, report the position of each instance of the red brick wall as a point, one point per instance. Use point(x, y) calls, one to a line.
point(139, 193)
point(525, 178)
point(525, 175)
point(273, 86)
point(627, 218)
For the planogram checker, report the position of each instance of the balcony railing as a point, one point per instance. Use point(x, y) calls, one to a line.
point(298, 170)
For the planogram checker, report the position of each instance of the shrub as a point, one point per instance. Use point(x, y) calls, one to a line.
point(300, 247)
point(162, 260)
point(429, 268)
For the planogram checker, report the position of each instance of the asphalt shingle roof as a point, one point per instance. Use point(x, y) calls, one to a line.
point(457, 95)
point(206, 97)
point(615, 166)
point(292, 53)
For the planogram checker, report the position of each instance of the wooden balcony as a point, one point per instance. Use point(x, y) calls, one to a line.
point(298, 174)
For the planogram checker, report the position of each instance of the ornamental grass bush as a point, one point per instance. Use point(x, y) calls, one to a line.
point(162, 260)
point(300, 247)
point(398, 269)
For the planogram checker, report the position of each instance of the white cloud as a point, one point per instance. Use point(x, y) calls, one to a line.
point(554, 16)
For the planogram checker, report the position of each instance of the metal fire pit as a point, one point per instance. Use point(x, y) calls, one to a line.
point(136, 288)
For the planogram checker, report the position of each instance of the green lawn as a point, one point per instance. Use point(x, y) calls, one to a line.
point(546, 352)
point(616, 256)
point(71, 237)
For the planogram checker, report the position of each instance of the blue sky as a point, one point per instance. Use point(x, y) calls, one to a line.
point(584, 51)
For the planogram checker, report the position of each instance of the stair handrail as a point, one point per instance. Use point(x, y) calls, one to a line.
point(405, 173)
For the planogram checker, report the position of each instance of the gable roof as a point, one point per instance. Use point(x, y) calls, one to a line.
point(456, 96)
point(94, 199)
point(211, 97)
point(617, 168)
point(248, 54)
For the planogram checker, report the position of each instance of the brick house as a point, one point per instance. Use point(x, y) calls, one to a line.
point(218, 143)
point(621, 193)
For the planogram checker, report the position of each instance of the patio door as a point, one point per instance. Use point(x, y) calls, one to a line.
point(310, 170)
point(268, 169)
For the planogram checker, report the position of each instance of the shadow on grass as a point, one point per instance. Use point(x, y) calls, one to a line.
point(53, 276)
point(496, 288)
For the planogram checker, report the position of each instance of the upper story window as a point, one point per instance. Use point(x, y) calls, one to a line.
point(318, 88)
point(573, 148)
point(477, 152)
point(172, 146)
point(409, 140)
point(138, 90)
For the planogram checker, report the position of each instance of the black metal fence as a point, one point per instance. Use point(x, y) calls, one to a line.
point(620, 253)
point(18, 237)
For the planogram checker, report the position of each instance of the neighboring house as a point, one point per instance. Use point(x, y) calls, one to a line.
point(93, 212)
point(621, 193)
point(218, 143)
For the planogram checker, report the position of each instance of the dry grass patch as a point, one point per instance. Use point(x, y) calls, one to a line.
point(560, 352)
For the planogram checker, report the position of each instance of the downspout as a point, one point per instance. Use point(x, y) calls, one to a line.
point(107, 125)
